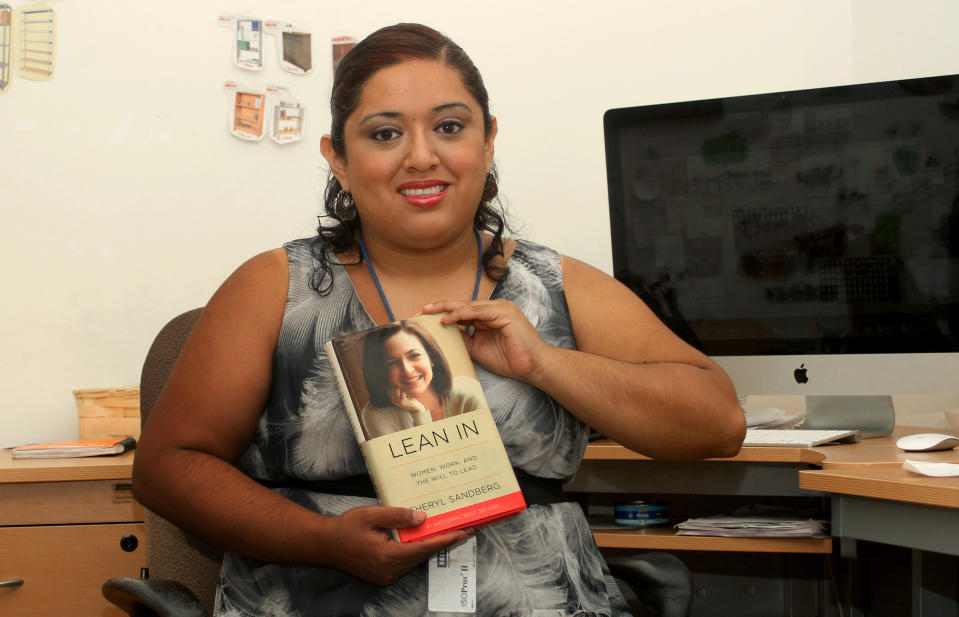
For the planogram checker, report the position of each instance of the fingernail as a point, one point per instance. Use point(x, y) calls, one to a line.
point(419, 516)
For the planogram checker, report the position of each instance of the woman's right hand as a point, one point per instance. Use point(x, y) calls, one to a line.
point(360, 543)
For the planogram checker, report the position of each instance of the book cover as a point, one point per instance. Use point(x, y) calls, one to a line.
point(424, 426)
point(72, 449)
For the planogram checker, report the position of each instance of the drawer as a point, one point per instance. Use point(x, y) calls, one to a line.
point(53, 503)
point(63, 567)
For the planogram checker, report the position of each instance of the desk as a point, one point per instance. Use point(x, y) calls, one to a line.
point(875, 499)
point(61, 526)
point(864, 478)
point(879, 501)
point(62, 520)
point(894, 506)
point(871, 498)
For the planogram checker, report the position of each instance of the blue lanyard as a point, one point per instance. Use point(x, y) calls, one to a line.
point(379, 288)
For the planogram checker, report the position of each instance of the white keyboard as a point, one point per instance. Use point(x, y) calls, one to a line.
point(797, 437)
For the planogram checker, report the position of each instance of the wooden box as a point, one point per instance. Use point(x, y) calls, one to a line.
point(108, 412)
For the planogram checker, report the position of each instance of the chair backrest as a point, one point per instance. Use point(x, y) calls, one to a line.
point(171, 552)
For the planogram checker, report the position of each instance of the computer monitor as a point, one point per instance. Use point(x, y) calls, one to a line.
point(807, 240)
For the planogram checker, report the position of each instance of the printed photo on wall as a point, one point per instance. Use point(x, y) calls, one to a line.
point(294, 47)
point(247, 111)
point(341, 45)
point(6, 47)
point(34, 46)
point(247, 40)
point(287, 122)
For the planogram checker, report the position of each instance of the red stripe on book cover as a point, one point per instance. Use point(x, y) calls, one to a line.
point(476, 515)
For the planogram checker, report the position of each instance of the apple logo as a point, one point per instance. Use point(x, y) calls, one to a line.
point(800, 374)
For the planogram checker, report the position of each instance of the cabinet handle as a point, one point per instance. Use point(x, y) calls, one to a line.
point(13, 582)
point(129, 543)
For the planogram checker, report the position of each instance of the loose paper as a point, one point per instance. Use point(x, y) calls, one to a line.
point(935, 470)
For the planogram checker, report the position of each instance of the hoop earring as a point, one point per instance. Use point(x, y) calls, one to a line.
point(344, 207)
point(490, 188)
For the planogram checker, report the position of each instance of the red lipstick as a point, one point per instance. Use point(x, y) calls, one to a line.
point(423, 193)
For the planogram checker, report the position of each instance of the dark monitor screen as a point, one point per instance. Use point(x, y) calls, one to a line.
point(813, 221)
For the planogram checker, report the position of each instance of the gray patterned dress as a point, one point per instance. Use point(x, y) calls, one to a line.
point(540, 562)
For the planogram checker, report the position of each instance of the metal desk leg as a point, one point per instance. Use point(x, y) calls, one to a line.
point(935, 579)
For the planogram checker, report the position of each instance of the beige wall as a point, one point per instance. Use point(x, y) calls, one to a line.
point(123, 199)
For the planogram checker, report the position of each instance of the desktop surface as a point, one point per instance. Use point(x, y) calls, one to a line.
point(116, 467)
point(879, 452)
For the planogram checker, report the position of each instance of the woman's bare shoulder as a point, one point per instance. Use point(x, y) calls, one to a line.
point(248, 307)
point(265, 268)
point(260, 282)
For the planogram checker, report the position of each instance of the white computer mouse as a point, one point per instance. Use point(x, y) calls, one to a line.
point(927, 442)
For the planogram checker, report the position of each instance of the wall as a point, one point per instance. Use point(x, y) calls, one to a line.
point(124, 200)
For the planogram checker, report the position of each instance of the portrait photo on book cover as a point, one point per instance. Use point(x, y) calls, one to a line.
point(406, 374)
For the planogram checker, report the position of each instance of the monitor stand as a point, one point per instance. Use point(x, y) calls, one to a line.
point(873, 415)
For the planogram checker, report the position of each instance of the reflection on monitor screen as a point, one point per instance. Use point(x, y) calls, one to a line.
point(815, 230)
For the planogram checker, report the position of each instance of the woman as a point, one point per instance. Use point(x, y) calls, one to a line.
point(410, 382)
point(560, 347)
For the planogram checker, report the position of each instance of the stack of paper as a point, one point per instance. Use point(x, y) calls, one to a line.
point(754, 522)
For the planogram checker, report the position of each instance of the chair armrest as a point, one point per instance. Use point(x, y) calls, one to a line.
point(149, 597)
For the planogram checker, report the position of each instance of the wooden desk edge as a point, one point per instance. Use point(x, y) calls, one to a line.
point(667, 539)
point(885, 484)
point(608, 450)
point(119, 467)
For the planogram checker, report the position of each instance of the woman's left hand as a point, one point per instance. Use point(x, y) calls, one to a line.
point(503, 341)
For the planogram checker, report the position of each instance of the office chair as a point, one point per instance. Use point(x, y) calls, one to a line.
point(185, 569)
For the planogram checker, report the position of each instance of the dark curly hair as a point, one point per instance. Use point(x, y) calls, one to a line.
point(336, 232)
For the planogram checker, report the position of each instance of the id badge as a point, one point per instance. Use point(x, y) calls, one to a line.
point(452, 579)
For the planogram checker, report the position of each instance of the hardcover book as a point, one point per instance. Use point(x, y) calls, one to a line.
point(424, 426)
